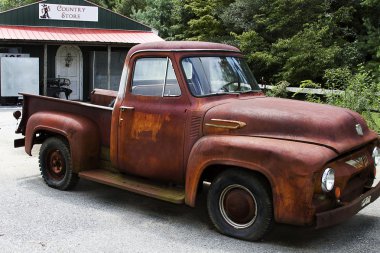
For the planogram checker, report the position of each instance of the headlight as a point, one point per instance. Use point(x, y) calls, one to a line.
point(328, 180)
point(376, 155)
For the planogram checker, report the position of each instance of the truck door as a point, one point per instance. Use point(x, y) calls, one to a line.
point(152, 122)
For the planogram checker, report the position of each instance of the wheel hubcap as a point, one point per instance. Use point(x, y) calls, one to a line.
point(56, 164)
point(238, 206)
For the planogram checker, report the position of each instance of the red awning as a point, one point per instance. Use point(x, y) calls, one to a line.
point(56, 34)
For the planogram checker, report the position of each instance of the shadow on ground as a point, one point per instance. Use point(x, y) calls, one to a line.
point(119, 202)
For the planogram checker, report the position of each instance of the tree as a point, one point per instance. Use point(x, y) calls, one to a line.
point(159, 14)
point(128, 7)
point(10, 4)
point(200, 20)
point(238, 17)
point(297, 40)
point(370, 41)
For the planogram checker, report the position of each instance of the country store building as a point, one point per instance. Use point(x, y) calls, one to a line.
point(72, 39)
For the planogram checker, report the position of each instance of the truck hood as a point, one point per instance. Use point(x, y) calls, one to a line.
point(334, 127)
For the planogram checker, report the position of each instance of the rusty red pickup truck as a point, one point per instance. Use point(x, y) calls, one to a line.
point(190, 116)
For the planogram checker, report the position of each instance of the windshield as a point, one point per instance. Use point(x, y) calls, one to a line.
point(218, 75)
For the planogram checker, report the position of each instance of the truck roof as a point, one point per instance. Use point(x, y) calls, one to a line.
point(181, 46)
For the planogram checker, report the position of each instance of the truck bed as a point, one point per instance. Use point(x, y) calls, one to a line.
point(101, 115)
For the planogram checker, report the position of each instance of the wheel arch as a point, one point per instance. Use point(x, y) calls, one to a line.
point(81, 133)
point(210, 171)
point(212, 155)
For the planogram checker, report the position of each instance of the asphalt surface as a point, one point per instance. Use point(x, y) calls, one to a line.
point(98, 218)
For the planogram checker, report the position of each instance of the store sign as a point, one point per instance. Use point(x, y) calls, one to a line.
point(68, 12)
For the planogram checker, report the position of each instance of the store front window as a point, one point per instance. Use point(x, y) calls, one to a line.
point(99, 69)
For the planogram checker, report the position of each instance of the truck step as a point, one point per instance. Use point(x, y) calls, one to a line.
point(136, 185)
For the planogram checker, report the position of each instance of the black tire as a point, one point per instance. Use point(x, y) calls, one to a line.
point(240, 205)
point(56, 165)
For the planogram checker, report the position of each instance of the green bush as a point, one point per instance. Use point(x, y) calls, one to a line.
point(360, 94)
point(310, 97)
point(279, 90)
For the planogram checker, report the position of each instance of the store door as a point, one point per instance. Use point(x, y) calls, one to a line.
point(69, 64)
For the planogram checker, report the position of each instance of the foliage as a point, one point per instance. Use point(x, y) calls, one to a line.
point(338, 78)
point(303, 38)
point(360, 95)
point(158, 14)
point(369, 41)
point(310, 96)
point(279, 90)
point(307, 54)
point(262, 62)
point(128, 7)
point(10, 4)
point(239, 15)
point(204, 23)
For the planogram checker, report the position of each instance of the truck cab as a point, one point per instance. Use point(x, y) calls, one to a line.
point(190, 115)
point(162, 98)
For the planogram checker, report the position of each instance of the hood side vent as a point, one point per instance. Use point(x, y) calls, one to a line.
point(195, 127)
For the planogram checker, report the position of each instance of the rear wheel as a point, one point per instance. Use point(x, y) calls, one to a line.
point(56, 165)
point(240, 205)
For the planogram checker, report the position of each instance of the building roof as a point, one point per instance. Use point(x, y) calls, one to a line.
point(77, 35)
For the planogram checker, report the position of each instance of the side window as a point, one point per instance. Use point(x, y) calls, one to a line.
point(155, 77)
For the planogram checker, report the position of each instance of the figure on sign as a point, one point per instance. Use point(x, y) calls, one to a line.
point(45, 10)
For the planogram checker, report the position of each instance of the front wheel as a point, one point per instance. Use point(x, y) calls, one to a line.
point(240, 205)
point(56, 165)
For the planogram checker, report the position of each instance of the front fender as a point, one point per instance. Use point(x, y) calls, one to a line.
point(81, 133)
point(289, 167)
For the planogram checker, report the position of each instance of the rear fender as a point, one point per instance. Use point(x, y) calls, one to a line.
point(81, 133)
point(288, 166)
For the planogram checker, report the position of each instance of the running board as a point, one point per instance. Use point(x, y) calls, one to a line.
point(136, 185)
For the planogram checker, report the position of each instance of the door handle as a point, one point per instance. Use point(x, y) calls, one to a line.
point(125, 108)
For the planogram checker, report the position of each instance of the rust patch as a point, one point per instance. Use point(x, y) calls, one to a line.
point(147, 126)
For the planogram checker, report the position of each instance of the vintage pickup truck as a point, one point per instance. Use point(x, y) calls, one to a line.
point(190, 116)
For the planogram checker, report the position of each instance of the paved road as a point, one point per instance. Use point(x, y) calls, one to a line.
point(94, 217)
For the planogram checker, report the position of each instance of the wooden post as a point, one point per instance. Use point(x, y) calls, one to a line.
point(93, 70)
point(45, 70)
point(109, 68)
